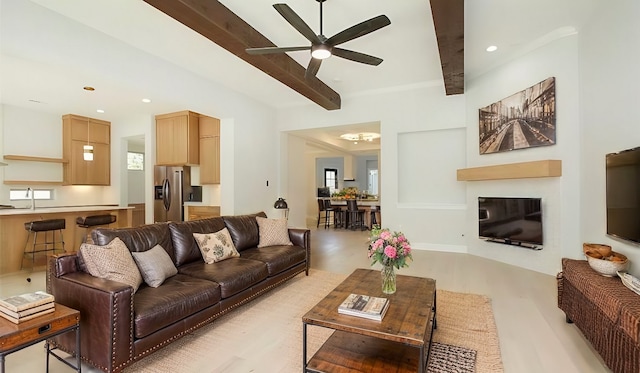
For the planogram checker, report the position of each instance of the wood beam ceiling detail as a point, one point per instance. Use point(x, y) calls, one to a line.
point(217, 23)
point(448, 20)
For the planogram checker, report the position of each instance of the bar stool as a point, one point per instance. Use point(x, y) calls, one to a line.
point(355, 216)
point(46, 226)
point(375, 210)
point(338, 214)
point(91, 221)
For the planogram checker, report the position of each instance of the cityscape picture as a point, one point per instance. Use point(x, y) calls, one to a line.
point(522, 120)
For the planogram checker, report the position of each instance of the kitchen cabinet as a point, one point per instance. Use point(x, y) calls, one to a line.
point(78, 131)
point(201, 212)
point(177, 139)
point(209, 150)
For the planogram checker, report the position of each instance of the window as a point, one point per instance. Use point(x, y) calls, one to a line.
point(21, 194)
point(331, 178)
point(135, 161)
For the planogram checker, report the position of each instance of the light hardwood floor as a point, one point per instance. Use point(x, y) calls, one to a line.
point(533, 334)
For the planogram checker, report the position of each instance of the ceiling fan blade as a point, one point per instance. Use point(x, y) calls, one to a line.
point(270, 50)
point(360, 29)
point(297, 22)
point(356, 56)
point(312, 69)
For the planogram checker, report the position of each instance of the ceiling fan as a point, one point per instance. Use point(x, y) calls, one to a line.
point(321, 47)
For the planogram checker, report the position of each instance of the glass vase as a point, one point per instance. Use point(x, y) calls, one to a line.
point(388, 279)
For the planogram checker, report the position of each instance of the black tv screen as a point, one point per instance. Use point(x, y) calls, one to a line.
point(515, 221)
point(324, 192)
point(623, 194)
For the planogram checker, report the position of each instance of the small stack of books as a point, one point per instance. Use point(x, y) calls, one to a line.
point(25, 307)
point(373, 308)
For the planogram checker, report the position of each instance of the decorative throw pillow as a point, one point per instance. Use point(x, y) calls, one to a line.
point(273, 232)
point(216, 246)
point(112, 262)
point(155, 265)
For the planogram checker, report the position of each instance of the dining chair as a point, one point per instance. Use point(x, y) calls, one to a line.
point(355, 216)
point(338, 213)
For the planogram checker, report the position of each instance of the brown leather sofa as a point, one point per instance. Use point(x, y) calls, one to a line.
point(605, 311)
point(119, 327)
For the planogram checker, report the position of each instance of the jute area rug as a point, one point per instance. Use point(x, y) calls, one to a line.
point(265, 335)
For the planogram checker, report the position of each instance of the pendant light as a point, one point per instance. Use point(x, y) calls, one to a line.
point(87, 150)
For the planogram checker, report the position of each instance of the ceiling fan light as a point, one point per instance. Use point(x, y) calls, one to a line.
point(320, 52)
point(364, 136)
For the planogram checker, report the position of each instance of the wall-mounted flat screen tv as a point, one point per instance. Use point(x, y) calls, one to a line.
point(623, 194)
point(514, 221)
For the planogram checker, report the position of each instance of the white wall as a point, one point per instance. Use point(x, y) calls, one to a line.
point(421, 109)
point(39, 134)
point(609, 79)
point(249, 155)
point(560, 196)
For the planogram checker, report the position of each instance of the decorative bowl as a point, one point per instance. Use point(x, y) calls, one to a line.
point(610, 265)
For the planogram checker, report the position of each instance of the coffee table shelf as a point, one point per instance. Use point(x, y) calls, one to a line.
point(401, 342)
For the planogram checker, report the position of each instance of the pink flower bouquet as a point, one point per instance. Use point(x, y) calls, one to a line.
point(389, 249)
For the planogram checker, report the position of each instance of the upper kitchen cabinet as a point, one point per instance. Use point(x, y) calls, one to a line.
point(78, 131)
point(209, 150)
point(177, 141)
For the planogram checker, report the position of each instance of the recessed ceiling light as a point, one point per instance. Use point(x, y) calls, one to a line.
point(146, 100)
point(492, 48)
point(100, 111)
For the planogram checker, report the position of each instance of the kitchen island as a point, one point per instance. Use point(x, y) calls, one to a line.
point(13, 235)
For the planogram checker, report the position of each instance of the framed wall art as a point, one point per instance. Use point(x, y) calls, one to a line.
point(523, 120)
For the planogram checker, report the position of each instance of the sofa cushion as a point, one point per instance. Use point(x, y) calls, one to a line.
point(179, 297)
point(112, 262)
point(234, 275)
point(140, 238)
point(155, 265)
point(244, 230)
point(277, 258)
point(185, 247)
point(216, 247)
point(272, 232)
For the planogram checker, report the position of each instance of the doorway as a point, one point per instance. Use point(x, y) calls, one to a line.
point(136, 179)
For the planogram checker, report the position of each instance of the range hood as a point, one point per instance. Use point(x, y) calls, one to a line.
point(349, 168)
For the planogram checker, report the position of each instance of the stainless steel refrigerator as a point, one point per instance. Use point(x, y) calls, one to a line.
point(172, 187)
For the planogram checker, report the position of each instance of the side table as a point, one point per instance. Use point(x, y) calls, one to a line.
point(15, 337)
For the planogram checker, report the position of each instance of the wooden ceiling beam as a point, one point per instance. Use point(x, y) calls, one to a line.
point(448, 19)
point(217, 23)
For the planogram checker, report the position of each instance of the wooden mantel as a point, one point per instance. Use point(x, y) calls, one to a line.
point(523, 170)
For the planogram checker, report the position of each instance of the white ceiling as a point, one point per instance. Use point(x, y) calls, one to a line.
point(33, 67)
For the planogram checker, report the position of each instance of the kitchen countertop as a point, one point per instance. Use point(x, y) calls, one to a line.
point(360, 202)
point(53, 210)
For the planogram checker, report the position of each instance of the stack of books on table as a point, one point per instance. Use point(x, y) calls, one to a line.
point(369, 307)
point(19, 308)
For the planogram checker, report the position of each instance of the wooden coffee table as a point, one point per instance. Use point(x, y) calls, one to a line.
point(401, 342)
